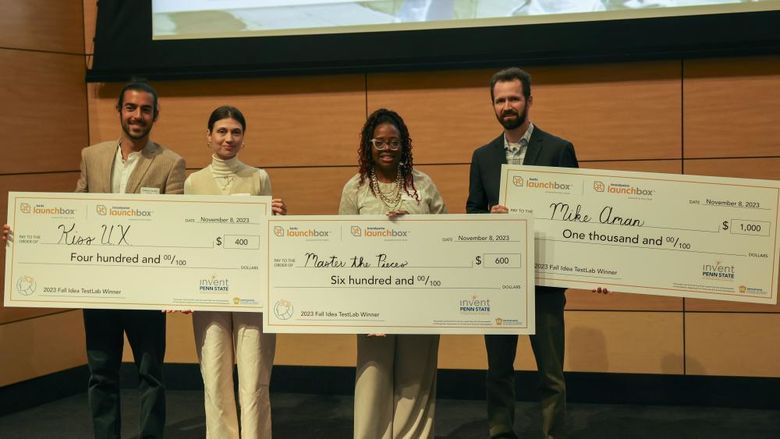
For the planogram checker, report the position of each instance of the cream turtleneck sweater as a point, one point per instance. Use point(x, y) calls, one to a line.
point(228, 177)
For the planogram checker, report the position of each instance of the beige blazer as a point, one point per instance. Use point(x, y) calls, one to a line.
point(158, 167)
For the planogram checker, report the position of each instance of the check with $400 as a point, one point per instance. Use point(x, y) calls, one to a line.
point(661, 234)
point(417, 274)
point(131, 251)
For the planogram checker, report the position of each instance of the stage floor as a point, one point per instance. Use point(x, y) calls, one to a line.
point(330, 417)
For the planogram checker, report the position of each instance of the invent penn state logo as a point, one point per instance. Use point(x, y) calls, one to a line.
point(101, 210)
point(279, 231)
point(25, 208)
point(599, 186)
point(356, 231)
point(518, 181)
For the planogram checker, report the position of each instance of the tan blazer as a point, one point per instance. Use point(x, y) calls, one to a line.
point(158, 167)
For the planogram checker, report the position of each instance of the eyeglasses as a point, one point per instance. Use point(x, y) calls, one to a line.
point(383, 144)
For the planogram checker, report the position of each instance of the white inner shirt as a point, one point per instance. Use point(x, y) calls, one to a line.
point(123, 169)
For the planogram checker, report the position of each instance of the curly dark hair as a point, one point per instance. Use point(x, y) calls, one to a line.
point(405, 165)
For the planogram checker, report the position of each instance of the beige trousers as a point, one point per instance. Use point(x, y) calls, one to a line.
point(395, 387)
point(222, 338)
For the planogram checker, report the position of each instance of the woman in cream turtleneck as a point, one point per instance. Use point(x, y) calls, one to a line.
point(221, 337)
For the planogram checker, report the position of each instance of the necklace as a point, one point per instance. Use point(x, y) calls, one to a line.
point(392, 198)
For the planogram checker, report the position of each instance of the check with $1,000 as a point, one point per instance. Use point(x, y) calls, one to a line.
point(660, 234)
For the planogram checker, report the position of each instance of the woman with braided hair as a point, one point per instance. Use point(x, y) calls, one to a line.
point(395, 386)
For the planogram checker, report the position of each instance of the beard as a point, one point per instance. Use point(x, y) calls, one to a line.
point(145, 129)
point(511, 124)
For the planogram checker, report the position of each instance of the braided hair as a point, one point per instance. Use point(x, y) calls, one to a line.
point(405, 164)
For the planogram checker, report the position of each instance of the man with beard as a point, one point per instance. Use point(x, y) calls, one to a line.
point(132, 164)
point(521, 143)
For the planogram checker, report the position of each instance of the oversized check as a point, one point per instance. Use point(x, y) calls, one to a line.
point(418, 274)
point(660, 234)
point(131, 251)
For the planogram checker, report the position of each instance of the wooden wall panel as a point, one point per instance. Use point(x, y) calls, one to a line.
point(587, 300)
point(46, 111)
point(766, 168)
point(57, 182)
point(90, 20)
point(310, 191)
point(45, 25)
point(732, 344)
point(468, 352)
point(42, 68)
point(663, 166)
point(319, 350)
point(731, 107)
point(452, 182)
point(464, 352)
point(631, 111)
point(36, 347)
point(612, 111)
point(624, 342)
point(448, 113)
point(179, 340)
point(292, 121)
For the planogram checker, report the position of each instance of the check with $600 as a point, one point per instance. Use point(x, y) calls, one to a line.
point(417, 274)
